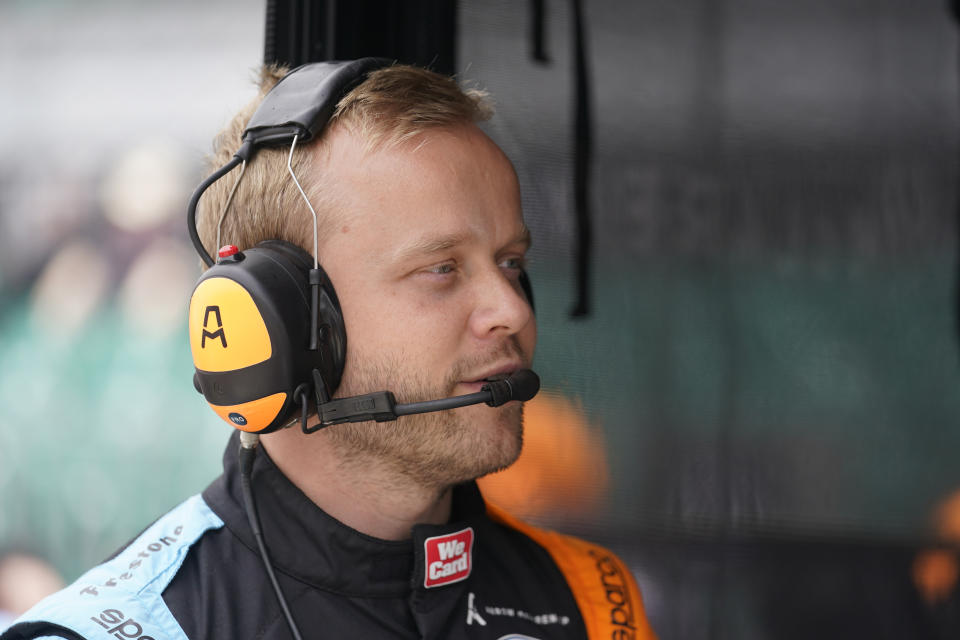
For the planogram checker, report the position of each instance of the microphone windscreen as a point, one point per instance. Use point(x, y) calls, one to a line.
point(524, 384)
point(521, 385)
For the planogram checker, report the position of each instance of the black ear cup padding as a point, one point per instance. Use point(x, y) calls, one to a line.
point(332, 347)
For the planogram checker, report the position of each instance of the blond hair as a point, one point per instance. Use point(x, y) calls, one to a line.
point(393, 105)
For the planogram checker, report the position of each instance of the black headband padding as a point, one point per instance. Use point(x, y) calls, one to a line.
point(304, 100)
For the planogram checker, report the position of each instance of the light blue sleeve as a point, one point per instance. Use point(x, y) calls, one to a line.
point(123, 596)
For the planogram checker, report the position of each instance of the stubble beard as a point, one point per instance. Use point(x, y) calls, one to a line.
point(434, 450)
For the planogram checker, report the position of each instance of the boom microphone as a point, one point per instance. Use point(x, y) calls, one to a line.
point(522, 385)
point(382, 406)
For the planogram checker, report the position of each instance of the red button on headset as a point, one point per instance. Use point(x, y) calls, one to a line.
point(227, 250)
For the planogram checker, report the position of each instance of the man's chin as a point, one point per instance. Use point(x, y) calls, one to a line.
point(440, 449)
point(503, 441)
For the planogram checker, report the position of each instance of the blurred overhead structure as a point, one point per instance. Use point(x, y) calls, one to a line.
point(419, 32)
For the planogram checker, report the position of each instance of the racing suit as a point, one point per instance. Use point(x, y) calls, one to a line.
point(196, 573)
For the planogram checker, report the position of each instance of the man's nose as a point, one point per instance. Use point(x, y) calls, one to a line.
point(500, 305)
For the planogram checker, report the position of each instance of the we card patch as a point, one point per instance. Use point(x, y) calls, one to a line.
point(449, 558)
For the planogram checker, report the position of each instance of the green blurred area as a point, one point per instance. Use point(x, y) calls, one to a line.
point(100, 434)
point(767, 397)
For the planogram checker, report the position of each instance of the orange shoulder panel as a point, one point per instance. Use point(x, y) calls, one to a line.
point(605, 591)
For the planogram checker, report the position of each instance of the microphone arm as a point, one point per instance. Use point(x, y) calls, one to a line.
point(484, 395)
point(382, 406)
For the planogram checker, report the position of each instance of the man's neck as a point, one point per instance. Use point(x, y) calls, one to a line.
point(362, 493)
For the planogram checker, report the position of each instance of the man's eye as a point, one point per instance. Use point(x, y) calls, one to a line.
point(513, 263)
point(446, 267)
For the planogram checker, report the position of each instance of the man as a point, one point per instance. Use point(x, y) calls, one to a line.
point(375, 530)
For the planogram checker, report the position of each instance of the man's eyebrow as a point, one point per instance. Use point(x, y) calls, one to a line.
point(430, 244)
point(427, 245)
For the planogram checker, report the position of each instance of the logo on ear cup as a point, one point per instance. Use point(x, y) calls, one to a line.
point(215, 310)
point(221, 307)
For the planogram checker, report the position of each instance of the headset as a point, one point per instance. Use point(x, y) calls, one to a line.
point(266, 330)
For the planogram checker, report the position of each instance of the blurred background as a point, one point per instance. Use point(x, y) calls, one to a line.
point(750, 205)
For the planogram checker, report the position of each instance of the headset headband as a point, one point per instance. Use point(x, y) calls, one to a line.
point(296, 109)
point(303, 101)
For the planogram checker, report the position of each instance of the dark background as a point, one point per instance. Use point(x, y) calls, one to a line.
point(772, 347)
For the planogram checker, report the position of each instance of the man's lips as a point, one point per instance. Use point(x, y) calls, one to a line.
point(475, 383)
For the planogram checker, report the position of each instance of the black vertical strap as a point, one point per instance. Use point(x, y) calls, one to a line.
point(270, 32)
point(325, 38)
point(299, 31)
point(538, 49)
point(954, 6)
point(305, 39)
point(283, 39)
point(581, 167)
